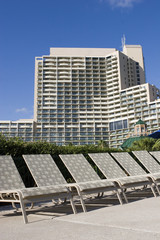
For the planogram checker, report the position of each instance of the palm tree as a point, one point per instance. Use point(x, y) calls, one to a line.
point(156, 146)
point(143, 144)
point(102, 144)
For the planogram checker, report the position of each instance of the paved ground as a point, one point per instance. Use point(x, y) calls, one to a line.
point(136, 220)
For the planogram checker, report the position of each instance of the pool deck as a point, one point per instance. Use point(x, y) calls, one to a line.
point(136, 220)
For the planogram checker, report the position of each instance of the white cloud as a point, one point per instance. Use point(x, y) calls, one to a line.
point(22, 110)
point(122, 3)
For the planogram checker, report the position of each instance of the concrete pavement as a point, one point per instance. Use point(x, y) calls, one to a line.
point(136, 220)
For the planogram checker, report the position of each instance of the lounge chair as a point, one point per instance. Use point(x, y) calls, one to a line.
point(148, 161)
point(156, 154)
point(45, 172)
point(132, 168)
point(87, 180)
point(152, 166)
point(111, 170)
point(12, 188)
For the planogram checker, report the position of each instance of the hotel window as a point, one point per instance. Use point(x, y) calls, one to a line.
point(118, 125)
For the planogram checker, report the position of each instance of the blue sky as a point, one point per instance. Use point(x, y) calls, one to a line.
point(29, 28)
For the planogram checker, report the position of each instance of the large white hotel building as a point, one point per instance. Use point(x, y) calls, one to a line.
point(83, 95)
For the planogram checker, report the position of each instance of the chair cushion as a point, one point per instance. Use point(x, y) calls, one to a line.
point(40, 191)
point(133, 180)
point(95, 185)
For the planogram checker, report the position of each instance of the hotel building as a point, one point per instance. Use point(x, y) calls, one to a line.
point(83, 95)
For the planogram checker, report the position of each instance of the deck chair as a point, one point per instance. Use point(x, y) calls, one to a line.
point(152, 166)
point(13, 190)
point(132, 168)
point(87, 180)
point(45, 172)
point(156, 154)
point(148, 161)
point(111, 170)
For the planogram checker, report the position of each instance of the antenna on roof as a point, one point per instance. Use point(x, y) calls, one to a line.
point(123, 40)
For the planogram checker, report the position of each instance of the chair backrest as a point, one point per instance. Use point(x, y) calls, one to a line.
point(44, 170)
point(79, 168)
point(107, 165)
point(148, 161)
point(156, 154)
point(9, 176)
point(128, 163)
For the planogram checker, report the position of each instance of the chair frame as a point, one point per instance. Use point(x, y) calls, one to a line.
point(150, 165)
point(79, 183)
point(23, 195)
point(135, 170)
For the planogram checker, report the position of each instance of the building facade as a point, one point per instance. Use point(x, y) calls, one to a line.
point(83, 95)
point(23, 128)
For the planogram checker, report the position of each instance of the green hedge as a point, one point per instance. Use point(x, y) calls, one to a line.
point(16, 147)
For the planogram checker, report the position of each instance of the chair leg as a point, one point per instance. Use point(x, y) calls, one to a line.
point(156, 186)
point(119, 197)
point(73, 205)
point(124, 195)
point(65, 200)
point(81, 199)
point(100, 195)
point(14, 206)
point(153, 191)
point(32, 205)
point(23, 209)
